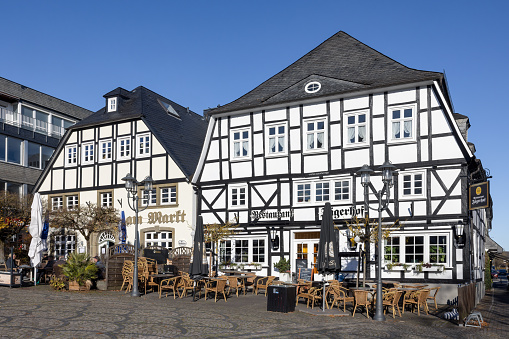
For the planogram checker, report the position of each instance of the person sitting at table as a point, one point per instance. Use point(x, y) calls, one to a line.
point(100, 266)
point(47, 269)
point(11, 263)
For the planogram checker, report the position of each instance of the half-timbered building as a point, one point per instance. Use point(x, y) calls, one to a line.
point(273, 157)
point(138, 132)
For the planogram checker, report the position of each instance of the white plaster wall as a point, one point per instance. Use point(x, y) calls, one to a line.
point(59, 161)
point(224, 127)
point(397, 97)
point(45, 186)
point(258, 166)
point(451, 206)
point(285, 193)
point(277, 165)
point(274, 115)
point(304, 213)
point(423, 97)
point(210, 172)
point(224, 150)
point(400, 154)
point(141, 127)
point(105, 175)
point(378, 154)
point(445, 148)
point(87, 135)
point(424, 150)
point(105, 132)
point(378, 104)
point(439, 123)
point(335, 135)
point(356, 103)
point(241, 169)
point(378, 129)
point(296, 163)
point(434, 101)
point(240, 120)
point(258, 143)
point(335, 110)
point(122, 170)
point(257, 121)
point(357, 158)
point(295, 136)
point(315, 163)
point(70, 178)
point(142, 168)
point(173, 170)
point(158, 168)
point(213, 150)
point(295, 116)
point(58, 179)
point(267, 191)
point(211, 194)
point(335, 159)
point(424, 123)
point(73, 138)
point(312, 110)
point(157, 148)
point(215, 129)
point(124, 128)
point(226, 173)
point(448, 177)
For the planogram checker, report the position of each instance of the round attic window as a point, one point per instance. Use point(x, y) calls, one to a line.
point(313, 87)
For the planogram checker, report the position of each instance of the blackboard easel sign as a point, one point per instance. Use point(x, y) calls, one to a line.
point(306, 274)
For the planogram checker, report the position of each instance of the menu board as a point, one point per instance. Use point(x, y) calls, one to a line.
point(306, 274)
point(301, 263)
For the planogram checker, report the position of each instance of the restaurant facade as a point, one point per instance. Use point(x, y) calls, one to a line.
point(272, 159)
point(141, 133)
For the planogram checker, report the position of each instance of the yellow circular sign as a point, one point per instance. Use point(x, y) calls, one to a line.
point(478, 190)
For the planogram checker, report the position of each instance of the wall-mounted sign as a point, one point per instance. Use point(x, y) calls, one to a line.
point(182, 243)
point(479, 195)
point(343, 212)
point(284, 214)
point(158, 218)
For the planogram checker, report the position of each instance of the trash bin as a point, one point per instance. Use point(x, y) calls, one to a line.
point(281, 298)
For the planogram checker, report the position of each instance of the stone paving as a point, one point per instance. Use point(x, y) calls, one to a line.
point(36, 312)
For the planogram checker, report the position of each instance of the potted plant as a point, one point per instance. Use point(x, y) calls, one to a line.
point(79, 269)
point(397, 266)
point(283, 267)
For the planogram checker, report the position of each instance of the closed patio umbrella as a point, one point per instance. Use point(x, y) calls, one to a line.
point(198, 267)
point(327, 261)
point(35, 229)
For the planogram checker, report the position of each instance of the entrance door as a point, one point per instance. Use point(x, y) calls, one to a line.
point(305, 246)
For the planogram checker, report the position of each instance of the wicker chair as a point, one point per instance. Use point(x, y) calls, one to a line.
point(340, 294)
point(186, 284)
point(361, 299)
point(216, 286)
point(237, 284)
point(250, 281)
point(418, 298)
point(169, 284)
point(391, 299)
point(302, 290)
point(433, 295)
point(127, 275)
point(263, 284)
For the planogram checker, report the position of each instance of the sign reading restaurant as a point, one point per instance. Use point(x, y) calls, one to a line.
point(479, 195)
point(338, 212)
point(286, 214)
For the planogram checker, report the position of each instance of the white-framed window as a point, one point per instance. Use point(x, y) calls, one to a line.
point(57, 203)
point(71, 155)
point(322, 191)
point(169, 195)
point(64, 244)
point(238, 196)
point(87, 153)
point(149, 197)
point(402, 123)
point(276, 136)
point(162, 239)
point(124, 148)
point(334, 189)
point(241, 140)
point(315, 135)
point(342, 189)
point(412, 184)
point(72, 201)
point(356, 128)
point(243, 251)
point(143, 145)
point(432, 248)
point(106, 199)
point(112, 104)
point(105, 149)
point(313, 87)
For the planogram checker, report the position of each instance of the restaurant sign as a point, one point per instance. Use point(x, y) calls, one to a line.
point(479, 195)
point(158, 218)
point(344, 212)
point(272, 214)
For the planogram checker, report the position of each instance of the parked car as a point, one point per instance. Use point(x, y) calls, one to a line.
point(502, 273)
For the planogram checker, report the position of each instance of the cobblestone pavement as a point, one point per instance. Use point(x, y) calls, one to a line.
point(36, 312)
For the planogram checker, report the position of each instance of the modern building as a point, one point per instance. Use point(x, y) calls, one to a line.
point(276, 155)
point(138, 132)
point(32, 123)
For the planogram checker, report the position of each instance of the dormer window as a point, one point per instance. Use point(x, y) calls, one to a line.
point(112, 104)
point(313, 87)
point(169, 109)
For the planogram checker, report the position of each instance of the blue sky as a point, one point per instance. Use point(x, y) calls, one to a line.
point(204, 53)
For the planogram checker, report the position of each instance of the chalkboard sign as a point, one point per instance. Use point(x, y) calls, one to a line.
point(306, 274)
point(159, 255)
point(301, 263)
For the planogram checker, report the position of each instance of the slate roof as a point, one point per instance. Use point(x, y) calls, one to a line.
point(341, 64)
point(20, 92)
point(182, 137)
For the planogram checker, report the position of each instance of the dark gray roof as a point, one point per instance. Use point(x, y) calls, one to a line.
point(342, 64)
point(182, 136)
point(20, 92)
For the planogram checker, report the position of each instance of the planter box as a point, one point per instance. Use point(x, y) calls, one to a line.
point(433, 269)
point(398, 269)
point(74, 286)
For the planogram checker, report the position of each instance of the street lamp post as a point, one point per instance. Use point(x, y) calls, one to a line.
point(131, 186)
point(387, 178)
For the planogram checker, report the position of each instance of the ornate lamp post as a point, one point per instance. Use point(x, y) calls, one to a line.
point(387, 178)
point(131, 186)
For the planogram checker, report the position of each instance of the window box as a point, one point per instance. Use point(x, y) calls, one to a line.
point(427, 267)
point(398, 267)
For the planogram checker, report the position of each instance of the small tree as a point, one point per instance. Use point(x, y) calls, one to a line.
point(15, 213)
point(213, 233)
point(85, 219)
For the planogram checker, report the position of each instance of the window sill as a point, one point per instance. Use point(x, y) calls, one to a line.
point(240, 159)
point(355, 146)
point(276, 155)
point(401, 141)
point(315, 151)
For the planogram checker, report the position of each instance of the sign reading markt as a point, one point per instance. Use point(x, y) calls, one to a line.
point(479, 195)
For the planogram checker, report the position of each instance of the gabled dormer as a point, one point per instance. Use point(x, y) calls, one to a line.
point(115, 99)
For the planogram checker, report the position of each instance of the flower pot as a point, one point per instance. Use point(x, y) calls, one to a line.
point(74, 286)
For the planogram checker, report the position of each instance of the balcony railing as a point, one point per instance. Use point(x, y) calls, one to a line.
point(29, 123)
